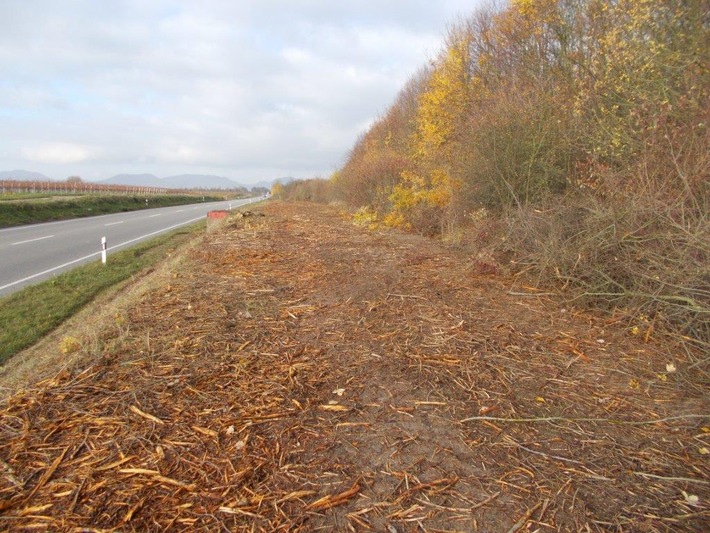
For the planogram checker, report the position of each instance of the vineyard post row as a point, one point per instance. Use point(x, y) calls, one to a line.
point(10, 187)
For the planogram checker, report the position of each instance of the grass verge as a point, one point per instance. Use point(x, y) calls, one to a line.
point(33, 212)
point(26, 316)
point(36, 196)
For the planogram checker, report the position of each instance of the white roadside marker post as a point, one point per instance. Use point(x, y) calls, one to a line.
point(103, 250)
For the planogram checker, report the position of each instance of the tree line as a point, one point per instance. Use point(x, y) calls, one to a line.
point(567, 139)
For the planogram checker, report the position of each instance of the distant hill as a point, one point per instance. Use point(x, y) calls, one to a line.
point(182, 181)
point(267, 184)
point(200, 181)
point(22, 175)
point(141, 180)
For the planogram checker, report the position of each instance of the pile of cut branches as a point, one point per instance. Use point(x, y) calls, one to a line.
point(300, 373)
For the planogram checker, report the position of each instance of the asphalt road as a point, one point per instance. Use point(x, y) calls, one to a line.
point(29, 254)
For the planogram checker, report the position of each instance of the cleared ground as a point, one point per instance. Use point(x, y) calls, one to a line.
point(297, 373)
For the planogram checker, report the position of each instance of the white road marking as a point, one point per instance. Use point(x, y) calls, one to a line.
point(50, 270)
point(153, 216)
point(114, 223)
point(153, 233)
point(179, 210)
point(32, 240)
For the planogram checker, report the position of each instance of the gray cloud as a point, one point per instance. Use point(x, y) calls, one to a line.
point(248, 89)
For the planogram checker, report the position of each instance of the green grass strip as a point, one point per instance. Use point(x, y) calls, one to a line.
point(35, 196)
point(33, 212)
point(31, 313)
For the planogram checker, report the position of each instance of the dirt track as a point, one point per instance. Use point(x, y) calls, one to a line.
point(300, 373)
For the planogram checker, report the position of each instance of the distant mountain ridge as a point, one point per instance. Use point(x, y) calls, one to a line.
point(208, 181)
point(142, 180)
point(267, 184)
point(188, 181)
point(22, 175)
point(180, 181)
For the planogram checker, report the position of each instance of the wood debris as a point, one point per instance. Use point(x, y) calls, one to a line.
point(302, 374)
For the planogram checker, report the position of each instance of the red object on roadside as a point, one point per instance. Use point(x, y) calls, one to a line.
point(217, 214)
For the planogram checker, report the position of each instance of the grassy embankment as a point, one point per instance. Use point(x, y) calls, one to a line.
point(31, 313)
point(16, 213)
point(37, 196)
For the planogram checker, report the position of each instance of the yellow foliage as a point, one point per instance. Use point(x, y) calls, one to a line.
point(441, 111)
point(396, 219)
point(69, 345)
point(416, 190)
point(366, 216)
point(277, 190)
point(524, 7)
point(538, 11)
point(639, 66)
point(444, 102)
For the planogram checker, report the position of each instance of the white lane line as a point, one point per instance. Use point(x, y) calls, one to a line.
point(32, 240)
point(153, 216)
point(70, 221)
point(114, 223)
point(50, 270)
point(179, 210)
point(151, 234)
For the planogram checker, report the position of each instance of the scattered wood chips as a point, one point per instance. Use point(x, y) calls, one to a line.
point(300, 373)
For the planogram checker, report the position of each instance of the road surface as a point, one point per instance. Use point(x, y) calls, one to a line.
point(29, 254)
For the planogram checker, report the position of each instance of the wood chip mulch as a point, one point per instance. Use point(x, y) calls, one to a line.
point(300, 373)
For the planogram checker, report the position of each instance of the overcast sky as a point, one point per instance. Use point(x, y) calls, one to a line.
point(248, 89)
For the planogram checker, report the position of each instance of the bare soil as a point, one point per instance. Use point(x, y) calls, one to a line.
point(298, 373)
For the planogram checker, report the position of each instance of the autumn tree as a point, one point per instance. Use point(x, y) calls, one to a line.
point(647, 100)
point(583, 125)
point(277, 190)
point(380, 156)
point(425, 197)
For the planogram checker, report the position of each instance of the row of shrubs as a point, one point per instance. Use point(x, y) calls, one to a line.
point(568, 140)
